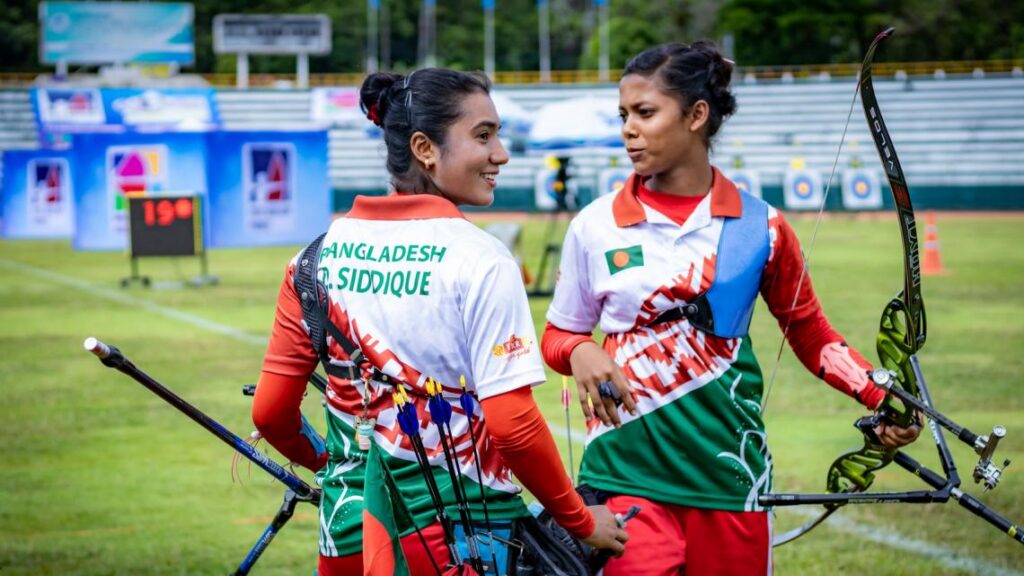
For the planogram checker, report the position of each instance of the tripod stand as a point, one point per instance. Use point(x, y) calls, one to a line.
point(544, 285)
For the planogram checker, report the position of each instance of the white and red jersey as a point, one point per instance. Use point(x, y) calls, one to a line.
point(424, 293)
point(698, 438)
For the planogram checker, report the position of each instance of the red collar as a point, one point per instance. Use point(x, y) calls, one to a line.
point(403, 207)
point(725, 200)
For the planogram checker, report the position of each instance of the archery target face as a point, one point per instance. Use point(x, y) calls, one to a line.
point(611, 180)
point(861, 189)
point(802, 189)
point(748, 181)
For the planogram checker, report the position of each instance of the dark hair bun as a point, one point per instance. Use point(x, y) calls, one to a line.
point(374, 95)
point(719, 73)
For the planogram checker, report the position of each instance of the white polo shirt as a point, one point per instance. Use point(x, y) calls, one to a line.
point(623, 263)
point(424, 293)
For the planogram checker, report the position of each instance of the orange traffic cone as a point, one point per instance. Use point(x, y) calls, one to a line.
point(931, 265)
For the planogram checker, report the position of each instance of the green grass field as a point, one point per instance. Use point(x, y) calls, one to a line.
point(99, 476)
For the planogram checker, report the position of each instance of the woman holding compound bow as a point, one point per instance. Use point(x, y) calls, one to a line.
point(670, 268)
point(424, 297)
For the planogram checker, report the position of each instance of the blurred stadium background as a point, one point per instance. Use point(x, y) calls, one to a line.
point(249, 111)
point(959, 123)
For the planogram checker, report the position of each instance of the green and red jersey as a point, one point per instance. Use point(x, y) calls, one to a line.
point(698, 438)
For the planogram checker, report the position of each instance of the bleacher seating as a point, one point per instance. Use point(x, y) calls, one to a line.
point(257, 109)
point(948, 132)
point(17, 121)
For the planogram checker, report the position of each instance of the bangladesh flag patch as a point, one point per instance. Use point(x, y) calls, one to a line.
point(620, 259)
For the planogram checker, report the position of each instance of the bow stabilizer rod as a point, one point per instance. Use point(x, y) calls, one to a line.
point(111, 357)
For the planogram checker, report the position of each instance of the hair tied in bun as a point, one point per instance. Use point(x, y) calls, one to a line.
point(373, 114)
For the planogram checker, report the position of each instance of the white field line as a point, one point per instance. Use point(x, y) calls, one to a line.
point(125, 299)
point(948, 558)
point(944, 556)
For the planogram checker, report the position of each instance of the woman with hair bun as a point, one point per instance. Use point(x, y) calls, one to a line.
point(425, 297)
point(670, 268)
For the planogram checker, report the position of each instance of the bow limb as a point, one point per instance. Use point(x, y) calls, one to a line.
point(911, 295)
point(902, 328)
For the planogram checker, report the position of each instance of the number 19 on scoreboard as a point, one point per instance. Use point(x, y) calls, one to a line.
point(166, 225)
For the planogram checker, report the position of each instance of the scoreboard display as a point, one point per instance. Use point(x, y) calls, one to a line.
point(165, 225)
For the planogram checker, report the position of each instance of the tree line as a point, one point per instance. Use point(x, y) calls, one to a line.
point(762, 32)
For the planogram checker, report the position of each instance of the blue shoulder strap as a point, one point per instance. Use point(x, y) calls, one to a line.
point(726, 308)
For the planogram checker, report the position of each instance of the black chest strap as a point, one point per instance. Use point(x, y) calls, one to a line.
point(313, 298)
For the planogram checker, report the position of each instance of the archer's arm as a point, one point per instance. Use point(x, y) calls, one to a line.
point(818, 346)
point(289, 361)
point(519, 432)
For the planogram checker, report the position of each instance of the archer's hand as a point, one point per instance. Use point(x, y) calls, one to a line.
point(893, 436)
point(591, 367)
point(607, 534)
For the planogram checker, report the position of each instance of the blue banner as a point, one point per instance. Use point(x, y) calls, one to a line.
point(267, 187)
point(36, 197)
point(107, 168)
point(62, 111)
point(116, 32)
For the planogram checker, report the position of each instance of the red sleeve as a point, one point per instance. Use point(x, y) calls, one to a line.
point(290, 352)
point(276, 413)
point(520, 433)
point(289, 361)
point(818, 346)
point(557, 345)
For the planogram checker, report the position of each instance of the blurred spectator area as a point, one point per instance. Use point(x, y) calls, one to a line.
point(950, 131)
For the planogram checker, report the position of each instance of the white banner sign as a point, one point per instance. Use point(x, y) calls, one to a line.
point(338, 107)
point(271, 34)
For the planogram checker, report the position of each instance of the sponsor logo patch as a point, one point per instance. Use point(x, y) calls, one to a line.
point(513, 348)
